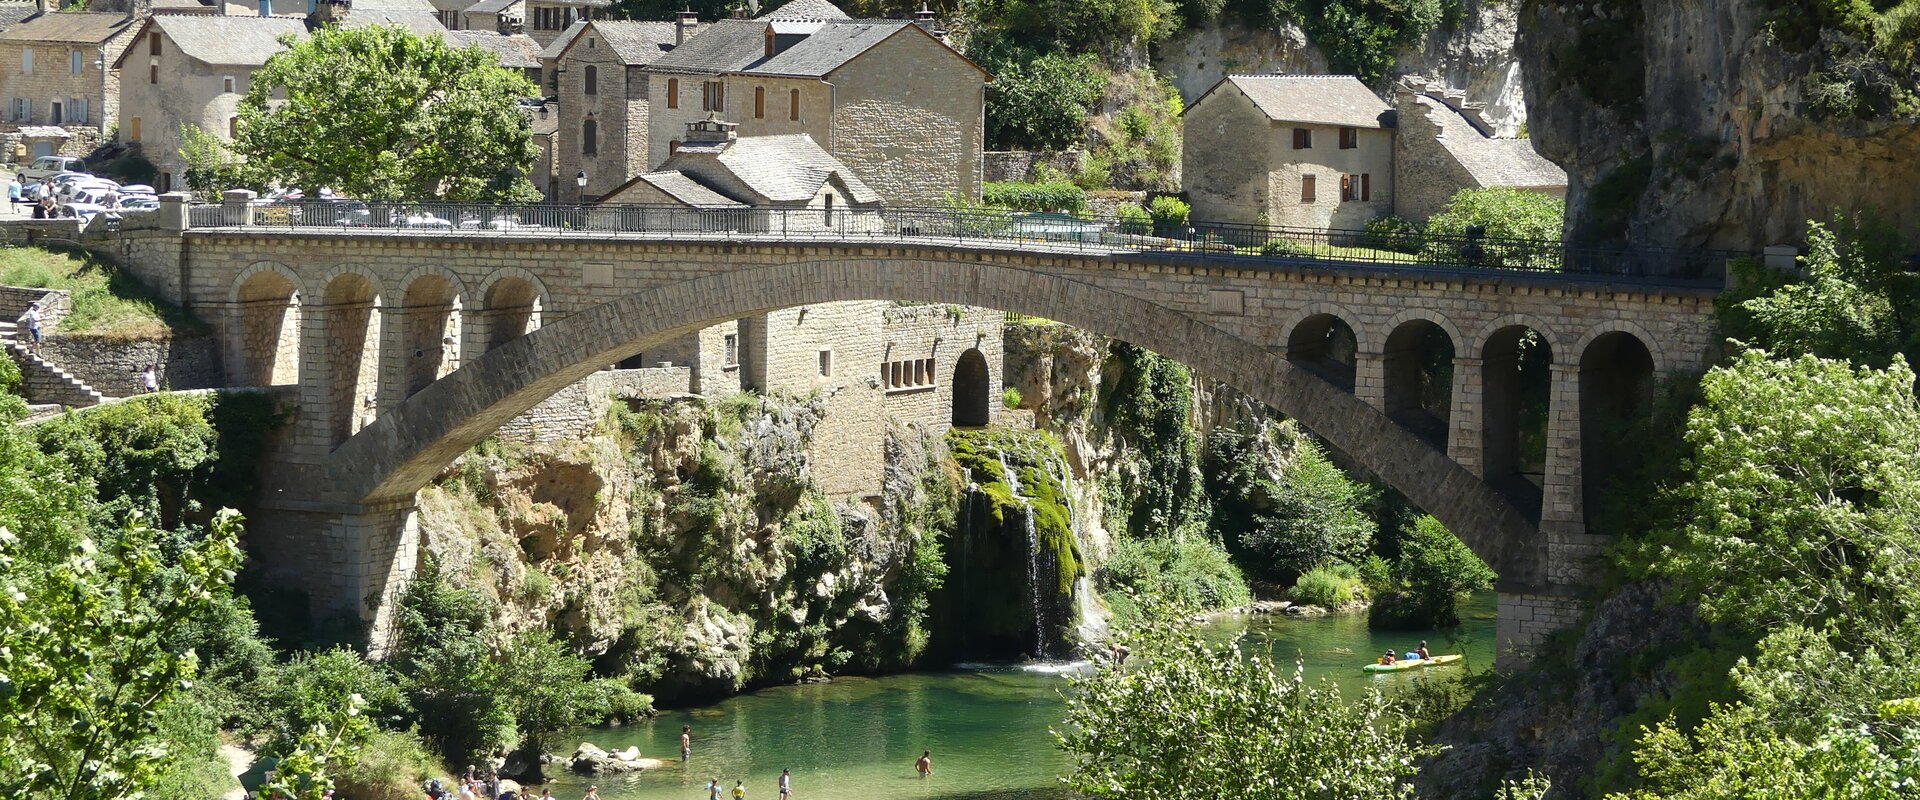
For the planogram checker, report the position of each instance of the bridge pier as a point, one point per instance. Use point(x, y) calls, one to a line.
point(351, 560)
point(1463, 420)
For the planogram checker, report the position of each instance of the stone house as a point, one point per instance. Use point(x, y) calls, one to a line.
point(57, 69)
point(716, 169)
point(501, 16)
point(546, 20)
point(1311, 151)
point(1446, 144)
point(517, 51)
point(603, 100)
point(191, 70)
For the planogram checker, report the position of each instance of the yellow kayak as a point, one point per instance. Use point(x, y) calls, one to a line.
point(1418, 663)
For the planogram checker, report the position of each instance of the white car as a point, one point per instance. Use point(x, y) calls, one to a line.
point(85, 212)
point(422, 219)
point(49, 166)
point(73, 188)
point(139, 188)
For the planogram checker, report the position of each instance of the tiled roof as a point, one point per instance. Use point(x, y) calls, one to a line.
point(75, 27)
point(829, 48)
point(1503, 162)
point(559, 44)
point(681, 187)
point(728, 45)
point(781, 169)
point(1317, 99)
point(360, 6)
point(807, 9)
point(229, 41)
point(13, 13)
point(637, 42)
point(518, 51)
point(419, 22)
point(182, 7)
point(492, 6)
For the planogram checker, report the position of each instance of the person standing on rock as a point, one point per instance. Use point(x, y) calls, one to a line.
point(686, 742)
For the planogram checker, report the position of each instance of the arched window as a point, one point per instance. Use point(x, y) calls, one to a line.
point(589, 137)
point(593, 79)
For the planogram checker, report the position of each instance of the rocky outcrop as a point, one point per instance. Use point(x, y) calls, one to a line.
point(589, 759)
point(1475, 55)
point(1689, 124)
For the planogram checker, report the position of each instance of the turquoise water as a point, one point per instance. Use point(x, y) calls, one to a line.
point(988, 726)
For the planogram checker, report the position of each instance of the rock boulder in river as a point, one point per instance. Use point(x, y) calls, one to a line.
point(592, 760)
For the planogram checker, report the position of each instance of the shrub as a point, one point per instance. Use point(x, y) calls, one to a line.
point(1011, 397)
point(1037, 101)
point(392, 766)
point(1024, 196)
point(1169, 215)
point(1134, 219)
point(1315, 517)
point(1434, 570)
point(1398, 234)
point(1184, 568)
point(1327, 587)
point(1279, 248)
point(1501, 213)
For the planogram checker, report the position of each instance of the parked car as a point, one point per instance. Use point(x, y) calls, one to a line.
point(68, 189)
point(85, 212)
point(139, 203)
point(49, 166)
point(422, 219)
point(139, 188)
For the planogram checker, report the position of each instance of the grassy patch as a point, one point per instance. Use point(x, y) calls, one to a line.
point(106, 301)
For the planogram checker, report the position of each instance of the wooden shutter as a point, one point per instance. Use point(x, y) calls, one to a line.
point(759, 102)
point(673, 93)
point(793, 104)
point(1302, 139)
point(1306, 188)
point(1366, 186)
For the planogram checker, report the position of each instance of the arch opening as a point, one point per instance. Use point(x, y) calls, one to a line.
point(429, 320)
point(1324, 345)
point(1616, 401)
point(1516, 403)
point(265, 339)
point(349, 353)
point(972, 385)
point(510, 310)
point(1418, 361)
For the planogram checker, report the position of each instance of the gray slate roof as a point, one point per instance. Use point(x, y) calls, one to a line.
point(740, 46)
point(789, 168)
point(1315, 99)
point(807, 9)
point(559, 44)
point(241, 41)
point(517, 51)
point(829, 48)
point(420, 22)
point(728, 45)
point(1504, 162)
point(679, 186)
point(636, 42)
point(13, 13)
point(492, 6)
point(70, 27)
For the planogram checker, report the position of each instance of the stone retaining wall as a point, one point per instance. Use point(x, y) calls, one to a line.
point(576, 410)
point(113, 366)
point(1017, 165)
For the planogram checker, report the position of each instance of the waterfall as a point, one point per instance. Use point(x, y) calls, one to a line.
point(1036, 597)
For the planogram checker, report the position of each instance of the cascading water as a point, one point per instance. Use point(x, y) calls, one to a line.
point(1034, 595)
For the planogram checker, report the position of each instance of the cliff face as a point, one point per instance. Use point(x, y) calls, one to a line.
point(1689, 124)
point(1476, 55)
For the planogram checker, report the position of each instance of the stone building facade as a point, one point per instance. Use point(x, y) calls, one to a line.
point(57, 70)
point(1445, 144)
point(191, 70)
point(603, 109)
point(1312, 151)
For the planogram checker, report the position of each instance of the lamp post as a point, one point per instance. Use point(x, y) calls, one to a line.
point(580, 198)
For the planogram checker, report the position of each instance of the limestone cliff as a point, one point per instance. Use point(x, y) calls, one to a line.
point(1702, 124)
point(1475, 54)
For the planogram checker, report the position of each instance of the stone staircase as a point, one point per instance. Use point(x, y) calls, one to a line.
point(43, 382)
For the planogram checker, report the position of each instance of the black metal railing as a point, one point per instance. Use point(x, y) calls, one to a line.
point(1252, 245)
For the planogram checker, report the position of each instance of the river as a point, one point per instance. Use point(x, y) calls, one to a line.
point(988, 726)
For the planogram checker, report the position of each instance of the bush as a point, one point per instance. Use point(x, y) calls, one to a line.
point(1315, 517)
point(1185, 568)
point(1037, 101)
point(1327, 587)
point(1398, 234)
point(1134, 219)
point(392, 766)
point(1024, 196)
point(1502, 213)
point(1169, 215)
point(1011, 397)
point(1281, 248)
point(1435, 569)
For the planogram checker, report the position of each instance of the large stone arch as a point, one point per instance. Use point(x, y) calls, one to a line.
point(1417, 372)
point(342, 347)
point(403, 450)
point(425, 322)
point(1578, 352)
point(509, 304)
point(1306, 333)
point(262, 329)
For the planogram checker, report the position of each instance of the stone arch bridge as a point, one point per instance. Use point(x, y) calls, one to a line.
point(408, 347)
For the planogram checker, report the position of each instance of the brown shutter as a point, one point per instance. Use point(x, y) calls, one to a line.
point(1306, 188)
point(673, 93)
point(793, 104)
point(1302, 139)
point(1366, 186)
point(759, 102)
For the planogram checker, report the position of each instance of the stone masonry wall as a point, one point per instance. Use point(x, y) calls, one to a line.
point(942, 333)
point(53, 78)
point(578, 409)
point(1425, 174)
point(911, 121)
point(845, 444)
point(113, 366)
point(1019, 165)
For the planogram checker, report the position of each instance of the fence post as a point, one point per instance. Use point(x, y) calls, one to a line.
point(173, 211)
point(236, 207)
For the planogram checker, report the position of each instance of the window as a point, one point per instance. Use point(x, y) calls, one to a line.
point(673, 93)
point(589, 137)
point(673, 147)
point(79, 113)
point(1366, 186)
point(590, 43)
point(133, 130)
point(233, 127)
point(76, 63)
point(153, 72)
point(793, 104)
point(227, 84)
point(906, 375)
point(1306, 188)
point(1356, 187)
point(153, 43)
point(713, 96)
point(1349, 138)
point(20, 113)
point(826, 363)
point(759, 102)
point(1348, 190)
point(593, 80)
point(732, 346)
point(53, 112)
point(1302, 138)
point(26, 60)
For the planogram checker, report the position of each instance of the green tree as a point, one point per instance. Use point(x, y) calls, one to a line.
point(1037, 101)
point(1502, 214)
point(1196, 721)
point(212, 166)
point(378, 112)
point(1316, 516)
point(1857, 302)
point(304, 771)
point(548, 688)
point(1078, 25)
point(1435, 569)
point(83, 673)
point(443, 655)
point(1148, 406)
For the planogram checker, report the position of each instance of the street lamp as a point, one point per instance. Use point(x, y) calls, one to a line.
point(580, 180)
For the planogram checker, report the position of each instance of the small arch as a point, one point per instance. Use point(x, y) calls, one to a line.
point(1516, 403)
point(264, 327)
point(1647, 340)
point(1616, 400)
point(1324, 345)
point(349, 352)
point(1418, 364)
point(972, 385)
point(428, 318)
point(511, 304)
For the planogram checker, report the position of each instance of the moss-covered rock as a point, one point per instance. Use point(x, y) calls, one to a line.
point(1015, 565)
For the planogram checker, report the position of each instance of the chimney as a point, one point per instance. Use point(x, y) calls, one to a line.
point(711, 130)
point(925, 19)
point(686, 24)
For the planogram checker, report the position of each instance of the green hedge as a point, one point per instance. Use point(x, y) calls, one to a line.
point(1025, 196)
